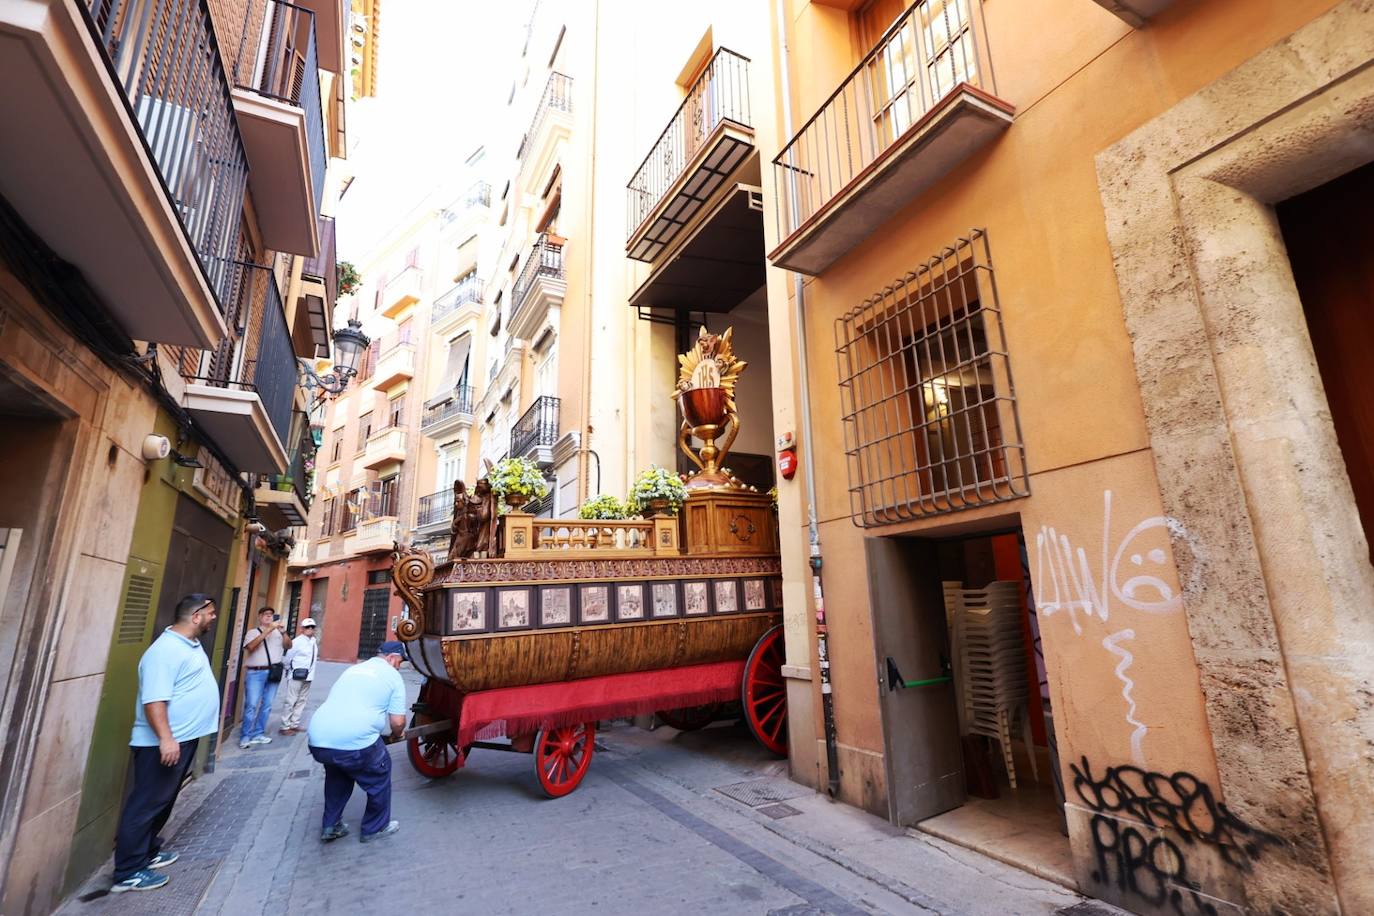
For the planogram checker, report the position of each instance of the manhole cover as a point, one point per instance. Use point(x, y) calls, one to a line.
point(758, 792)
point(779, 811)
point(298, 774)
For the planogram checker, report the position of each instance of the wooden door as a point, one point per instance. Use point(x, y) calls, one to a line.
point(922, 752)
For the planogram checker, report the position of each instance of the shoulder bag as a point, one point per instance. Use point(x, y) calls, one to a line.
point(274, 669)
point(300, 674)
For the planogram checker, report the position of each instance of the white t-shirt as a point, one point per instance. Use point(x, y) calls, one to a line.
point(271, 646)
point(304, 652)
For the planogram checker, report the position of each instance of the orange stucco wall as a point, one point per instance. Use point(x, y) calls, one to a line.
point(1124, 684)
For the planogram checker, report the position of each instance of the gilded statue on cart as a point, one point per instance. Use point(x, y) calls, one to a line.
point(706, 393)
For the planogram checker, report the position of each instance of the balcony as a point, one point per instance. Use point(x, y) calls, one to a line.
point(551, 122)
point(330, 18)
point(447, 413)
point(1135, 12)
point(705, 143)
point(534, 434)
point(277, 100)
point(477, 197)
point(919, 104)
point(540, 287)
point(435, 513)
point(320, 290)
point(300, 553)
point(402, 291)
point(396, 365)
point(283, 500)
point(449, 307)
point(376, 535)
point(241, 393)
point(121, 152)
point(385, 447)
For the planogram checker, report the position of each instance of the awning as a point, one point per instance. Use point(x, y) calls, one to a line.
point(719, 265)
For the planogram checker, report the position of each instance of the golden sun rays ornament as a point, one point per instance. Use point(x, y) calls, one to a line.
point(707, 376)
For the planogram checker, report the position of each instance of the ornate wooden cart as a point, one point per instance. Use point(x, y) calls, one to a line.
point(580, 621)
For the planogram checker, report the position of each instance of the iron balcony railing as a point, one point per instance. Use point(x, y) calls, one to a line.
point(538, 426)
point(459, 401)
point(281, 63)
point(296, 476)
point(934, 47)
point(544, 260)
point(325, 265)
point(720, 94)
point(435, 508)
point(479, 195)
point(258, 356)
point(468, 289)
point(557, 97)
point(166, 60)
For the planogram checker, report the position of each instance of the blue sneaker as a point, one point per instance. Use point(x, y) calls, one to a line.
point(336, 832)
point(144, 880)
point(162, 859)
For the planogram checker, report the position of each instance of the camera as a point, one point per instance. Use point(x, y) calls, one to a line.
point(276, 617)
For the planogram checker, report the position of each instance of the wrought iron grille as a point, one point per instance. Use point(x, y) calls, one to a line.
point(435, 508)
point(468, 289)
point(538, 426)
point(166, 59)
point(458, 401)
point(720, 94)
point(258, 356)
point(557, 97)
point(544, 260)
point(931, 49)
point(283, 65)
point(926, 394)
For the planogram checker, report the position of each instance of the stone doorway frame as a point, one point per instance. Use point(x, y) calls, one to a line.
point(1279, 585)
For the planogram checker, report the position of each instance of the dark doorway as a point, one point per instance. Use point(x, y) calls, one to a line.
point(197, 561)
point(293, 605)
point(1330, 240)
point(376, 602)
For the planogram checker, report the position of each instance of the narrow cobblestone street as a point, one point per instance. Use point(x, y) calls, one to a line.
point(665, 822)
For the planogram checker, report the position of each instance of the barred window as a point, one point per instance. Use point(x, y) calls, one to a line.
point(926, 394)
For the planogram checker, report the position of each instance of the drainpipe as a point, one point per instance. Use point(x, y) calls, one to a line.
point(588, 324)
point(832, 763)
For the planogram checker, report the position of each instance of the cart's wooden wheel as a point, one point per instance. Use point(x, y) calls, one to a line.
point(433, 756)
point(763, 693)
point(561, 757)
point(690, 718)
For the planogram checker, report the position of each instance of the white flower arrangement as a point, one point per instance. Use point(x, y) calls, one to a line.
point(518, 476)
point(656, 483)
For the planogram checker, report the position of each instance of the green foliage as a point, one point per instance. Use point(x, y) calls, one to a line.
point(604, 508)
point(520, 476)
point(656, 483)
point(349, 278)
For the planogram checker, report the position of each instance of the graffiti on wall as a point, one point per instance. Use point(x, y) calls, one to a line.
point(1151, 864)
point(1131, 573)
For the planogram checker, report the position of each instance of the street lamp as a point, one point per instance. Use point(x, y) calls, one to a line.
point(349, 344)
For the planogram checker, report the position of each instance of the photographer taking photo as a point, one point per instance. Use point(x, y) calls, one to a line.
point(265, 648)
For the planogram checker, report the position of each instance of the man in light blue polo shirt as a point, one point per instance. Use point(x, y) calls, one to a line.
point(345, 734)
point(178, 704)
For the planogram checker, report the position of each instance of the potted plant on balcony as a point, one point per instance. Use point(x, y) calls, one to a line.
point(349, 278)
point(516, 481)
point(656, 491)
point(602, 508)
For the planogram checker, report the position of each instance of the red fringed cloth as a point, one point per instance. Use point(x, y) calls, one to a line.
point(510, 711)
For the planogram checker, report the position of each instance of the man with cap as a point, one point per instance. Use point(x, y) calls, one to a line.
point(300, 673)
point(345, 734)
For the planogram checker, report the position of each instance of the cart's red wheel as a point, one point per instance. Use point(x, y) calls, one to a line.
point(561, 757)
point(691, 718)
point(433, 756)
point(763, 693)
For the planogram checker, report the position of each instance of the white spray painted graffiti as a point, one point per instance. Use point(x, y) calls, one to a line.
point(1113, 645)
point(1065, 582)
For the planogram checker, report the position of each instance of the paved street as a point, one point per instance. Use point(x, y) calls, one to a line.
point(663, 823)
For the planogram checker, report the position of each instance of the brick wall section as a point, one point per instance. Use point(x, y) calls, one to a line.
point(238, 27)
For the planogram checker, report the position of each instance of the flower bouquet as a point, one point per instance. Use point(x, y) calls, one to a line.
point(656, 490)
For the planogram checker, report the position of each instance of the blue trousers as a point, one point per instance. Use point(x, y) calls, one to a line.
point(148, 805)
point(257, 703)
point(370, 769)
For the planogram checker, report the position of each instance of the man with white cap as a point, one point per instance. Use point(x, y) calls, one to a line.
point(300, 671)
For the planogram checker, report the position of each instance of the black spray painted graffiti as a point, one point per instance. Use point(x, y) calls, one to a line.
point(1155, 867)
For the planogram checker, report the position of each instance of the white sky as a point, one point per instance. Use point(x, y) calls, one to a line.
point(444, 72)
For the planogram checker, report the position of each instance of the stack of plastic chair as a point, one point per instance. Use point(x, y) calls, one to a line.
point(987, 639)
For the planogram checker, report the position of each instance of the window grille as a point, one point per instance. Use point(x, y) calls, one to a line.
point(926, 393)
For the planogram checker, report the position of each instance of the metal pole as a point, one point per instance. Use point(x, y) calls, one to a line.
point(832, 763)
